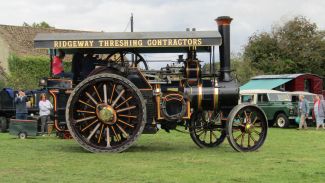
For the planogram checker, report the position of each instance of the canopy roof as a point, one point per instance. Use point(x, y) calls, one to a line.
point(264, 84)
point(150, 42)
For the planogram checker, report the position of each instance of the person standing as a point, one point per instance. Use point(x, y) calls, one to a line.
point(21, 107)
point(319, 111)
point(45, 108)
point(303, 111)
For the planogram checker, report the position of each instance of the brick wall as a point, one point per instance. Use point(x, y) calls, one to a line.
point(19, 40)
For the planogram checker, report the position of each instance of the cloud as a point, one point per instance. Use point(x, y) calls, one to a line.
point(162, 15)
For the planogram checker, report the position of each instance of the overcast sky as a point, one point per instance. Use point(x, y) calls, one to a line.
point(162, 15)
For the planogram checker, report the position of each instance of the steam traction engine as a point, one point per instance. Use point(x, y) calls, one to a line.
point(121, 99)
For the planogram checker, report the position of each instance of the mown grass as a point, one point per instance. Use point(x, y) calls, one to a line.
point(287, 156)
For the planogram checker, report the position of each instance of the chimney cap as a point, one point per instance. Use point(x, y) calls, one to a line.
point(223, 20)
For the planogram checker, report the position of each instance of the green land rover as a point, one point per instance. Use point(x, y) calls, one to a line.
point(277, 105)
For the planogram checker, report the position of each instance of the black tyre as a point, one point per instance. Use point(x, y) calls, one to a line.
point(271, 123)
point(282, 121)
point(106, 113)
point(207, 129)
point(246, 128)
point(3, 123)
point(22, 135)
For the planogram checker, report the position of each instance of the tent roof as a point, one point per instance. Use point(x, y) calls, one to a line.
point(264, 84)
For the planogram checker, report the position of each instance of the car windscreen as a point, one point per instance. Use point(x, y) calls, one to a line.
point(247, 98)
point(279, 97)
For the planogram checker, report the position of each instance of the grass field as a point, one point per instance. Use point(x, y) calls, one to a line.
point(287, 156)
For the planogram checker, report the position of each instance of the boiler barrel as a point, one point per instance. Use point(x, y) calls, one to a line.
point(207, 97)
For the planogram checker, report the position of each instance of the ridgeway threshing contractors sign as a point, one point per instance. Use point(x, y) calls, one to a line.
point(127, 40)
point(127, 43)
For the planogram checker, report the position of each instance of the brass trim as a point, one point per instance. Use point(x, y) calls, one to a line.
point(188, 105)
point(215, 98)
point(199, 97)
point(159, 117)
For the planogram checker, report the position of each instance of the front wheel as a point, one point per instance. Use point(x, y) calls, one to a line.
point(282, 120)
point(22, 135)
point(246, 128)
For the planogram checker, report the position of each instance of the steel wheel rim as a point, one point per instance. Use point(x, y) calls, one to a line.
point(248, 129)
point(89, 127)
point(281, 122)
point(207, 130)
point(22, 136)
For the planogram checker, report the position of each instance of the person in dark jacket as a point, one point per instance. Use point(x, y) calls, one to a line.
point(21, 108)
point(303, 111)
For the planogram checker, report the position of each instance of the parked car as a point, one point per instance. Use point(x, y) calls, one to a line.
point(277, 105)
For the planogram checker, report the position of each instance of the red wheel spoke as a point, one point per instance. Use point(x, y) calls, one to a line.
point(250, 115)
point(253, 139)
point(89, 112)
point(245, 115)
point(89, 125)
point(116, 137)
point(93, 131)
point(85, 119)
point(242, 139)
point(254, 120)
point(257, 132)
point(249, 139)
point(119, 120)
point(122, 130)
point(238, 137)
point(100, 134)
point(110, 100)
point(108, 143)
point(105, 93)
point(127, 116)
point(123, 102)
point(100, 99)
point(118, 98)
point(91, 98)
point(125, 109)
point(86, 104)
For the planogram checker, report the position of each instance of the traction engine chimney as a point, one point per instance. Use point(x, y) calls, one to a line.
point(224, 50)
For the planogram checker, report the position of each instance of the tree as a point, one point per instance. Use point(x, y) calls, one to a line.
point(296, 47)
point(42, 24)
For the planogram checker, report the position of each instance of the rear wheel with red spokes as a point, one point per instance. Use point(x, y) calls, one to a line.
point(106, 113)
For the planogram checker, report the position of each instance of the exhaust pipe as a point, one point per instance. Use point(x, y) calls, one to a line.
point(224, 50)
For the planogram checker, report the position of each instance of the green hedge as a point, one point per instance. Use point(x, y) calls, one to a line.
point(25, 72)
